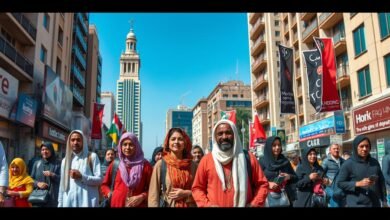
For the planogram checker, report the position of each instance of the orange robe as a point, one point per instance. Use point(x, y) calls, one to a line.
point(207, 187)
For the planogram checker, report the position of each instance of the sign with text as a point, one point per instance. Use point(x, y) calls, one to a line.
point(328, 126)
point(8, 92)
point(53, 133)
point(316, 142)
point(27, 108)
point(372, 117)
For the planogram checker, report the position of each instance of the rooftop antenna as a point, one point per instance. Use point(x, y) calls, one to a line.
point(131, 21)
point(182, 97)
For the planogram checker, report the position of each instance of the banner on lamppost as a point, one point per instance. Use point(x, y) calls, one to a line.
point(287, 102)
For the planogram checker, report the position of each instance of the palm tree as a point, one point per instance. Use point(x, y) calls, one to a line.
point(243, 115)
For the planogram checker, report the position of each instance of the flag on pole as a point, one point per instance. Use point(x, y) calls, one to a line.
point(287, 102)
point(115, 130)
point(229, 115)
point(97, 121)
point(256, 131)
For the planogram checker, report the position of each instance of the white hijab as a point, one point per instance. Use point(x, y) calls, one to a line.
point(68, 158)
point(240, 174)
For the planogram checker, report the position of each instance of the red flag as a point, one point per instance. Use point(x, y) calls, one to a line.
point(229, 115)
point(97, 121)
point(330, 96)
point(256, 132)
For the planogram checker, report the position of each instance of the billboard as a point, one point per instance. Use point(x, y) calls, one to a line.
point(57, 99)
point(328, 126)
point(8, 93)
point(27, 108)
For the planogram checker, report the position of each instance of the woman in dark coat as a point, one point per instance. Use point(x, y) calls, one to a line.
point(361, 178)
point(157, 155)
point(46, 174)
point(275, 164)
point(310, 180)
point(109, 157)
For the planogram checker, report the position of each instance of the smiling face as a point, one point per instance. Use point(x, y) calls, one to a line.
point(225, 136)
point(15, 170)
point(276, 148)
point(176, 143)
point(128, 148)
point(312, 157)
point(197, 154)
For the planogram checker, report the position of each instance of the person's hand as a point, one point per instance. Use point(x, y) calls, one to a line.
point(325, 181)
point(48, 173)
point(314, 176)
point(364, 182)
point(42, 185)
point(134, 201)
point(12, 193)
point(177, 194)
point(272, 185)
point(286, 176)
point(75, 174)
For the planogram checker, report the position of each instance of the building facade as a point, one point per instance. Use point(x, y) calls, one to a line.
point(180, 118)
point(199, 124)
point(361, 47)
point(128, 105)
point(108, 99)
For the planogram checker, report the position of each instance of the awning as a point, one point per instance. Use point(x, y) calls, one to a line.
point(292, 147)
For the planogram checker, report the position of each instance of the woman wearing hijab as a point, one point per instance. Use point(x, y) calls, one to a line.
point(156, 156)
point(276, 165)
point(133, 175)
point(180, 172)
point(310, 180)
point(20, 183)
point(46, 174)
point(361, 178)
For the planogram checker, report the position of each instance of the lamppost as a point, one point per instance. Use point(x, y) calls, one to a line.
point(243, 132)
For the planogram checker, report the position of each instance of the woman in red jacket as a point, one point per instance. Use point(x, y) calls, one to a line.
point(132, 177)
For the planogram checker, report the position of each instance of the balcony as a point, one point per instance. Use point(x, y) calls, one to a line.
point(99, 79)
point(83, 25)
point(293, 22)
point(257, 28)
point(100, 60)
point(258, 46)
point(80, 78)
point(264, 118)
point(343, 78)
point(295, 38)
point(261, 101)
point(310, 31)
point(11, 58)
point(301, 113)
point(347, 104)
point(298, 73)
point(253, 17)
point(296, 56)
point(340, 44)
point(285, 16)
point(77, 94)
point(307, 16)
point(99, 69)
point(81, 39)
point(299, 91)
point(260, 82)
point(328, 20)
point(80, 57)
point(20, 27)
point(259, 64)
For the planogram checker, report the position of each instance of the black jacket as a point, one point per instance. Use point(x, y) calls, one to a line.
point(386, 165)
point(356, 169)
point(304, 185)
point(272, 168)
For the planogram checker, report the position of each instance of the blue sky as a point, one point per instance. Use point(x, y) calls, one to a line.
point(181, 53)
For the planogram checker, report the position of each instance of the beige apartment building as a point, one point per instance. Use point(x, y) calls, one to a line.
point(199, 124)
point(224, 97)
point(362, 53)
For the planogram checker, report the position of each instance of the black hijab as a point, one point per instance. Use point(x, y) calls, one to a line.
point(306, 164)
point(269, 161)
point(52, 157)
point(156, 150)
point(355, 156)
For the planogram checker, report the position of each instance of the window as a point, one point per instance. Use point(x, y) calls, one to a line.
point(46, 21)
point(277, 33)
point(359, 40)
point(235, 96)
point(276, 23)
point(277, 43)
point(58, 66)
point(384, 23)
point(60, 36)
point(43, 54)
point(387, 70)
point(225, 95)
point(364, 82)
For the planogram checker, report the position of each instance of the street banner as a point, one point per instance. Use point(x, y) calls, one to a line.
point(287, 103)
point(115, 130)
point(314, 77)
point(229, 115)
point(330, 96)
point(8, 93)
point(256, 132)
point(26, 110)
point(97, 121)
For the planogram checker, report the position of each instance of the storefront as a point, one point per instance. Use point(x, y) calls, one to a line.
point(54, 134)
point(322, 133)
point(373, 121)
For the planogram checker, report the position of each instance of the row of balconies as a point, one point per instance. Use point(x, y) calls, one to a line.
point(79, 56)
point(9, 51)
point(26, 24)
point(80, 78)
point(77, 94)
point(81, 38)
point(81, 19)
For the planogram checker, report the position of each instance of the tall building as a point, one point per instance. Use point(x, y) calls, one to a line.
point(33, 45)
point(199, 124)
point(225, 97)
point(108, 99)
point(362, 54)
point(128, 105)
point(94, 72)
point(180, 118)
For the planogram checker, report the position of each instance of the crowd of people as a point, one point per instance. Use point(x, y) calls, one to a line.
point(181, 175)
